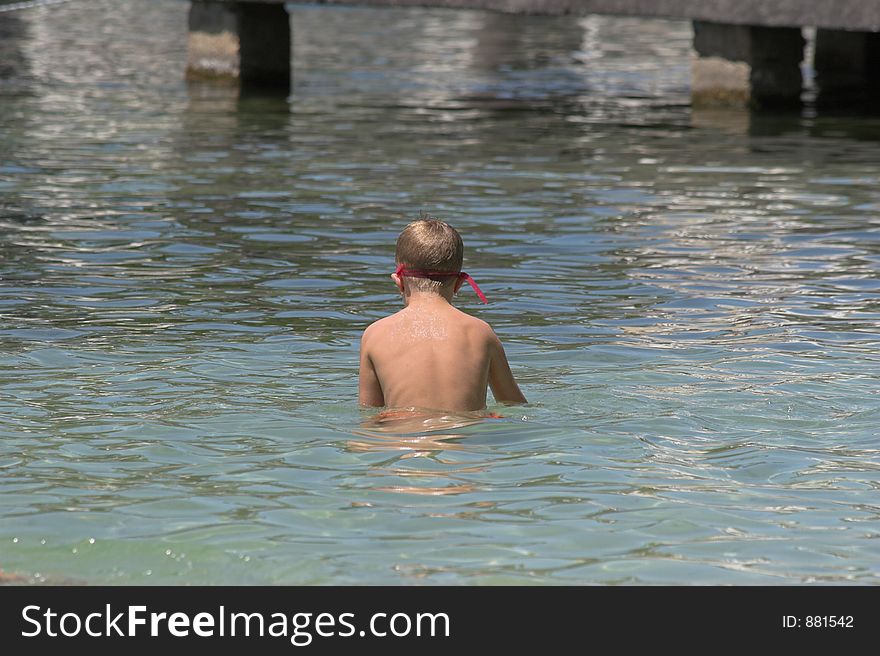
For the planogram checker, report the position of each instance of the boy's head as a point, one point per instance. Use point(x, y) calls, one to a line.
point(430, 245)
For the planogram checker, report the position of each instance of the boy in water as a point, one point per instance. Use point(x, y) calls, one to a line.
point(429, 354)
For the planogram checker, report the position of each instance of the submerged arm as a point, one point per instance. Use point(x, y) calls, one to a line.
point(369, 389)
point(501, 380)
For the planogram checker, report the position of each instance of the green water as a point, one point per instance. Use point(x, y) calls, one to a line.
point(688, 299)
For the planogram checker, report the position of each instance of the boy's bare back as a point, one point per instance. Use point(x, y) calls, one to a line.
point(431, 355)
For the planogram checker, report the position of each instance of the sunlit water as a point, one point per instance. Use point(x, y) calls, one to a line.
point(689, 300)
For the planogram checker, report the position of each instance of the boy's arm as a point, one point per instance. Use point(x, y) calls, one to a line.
point(369, 389)
point(504, 387)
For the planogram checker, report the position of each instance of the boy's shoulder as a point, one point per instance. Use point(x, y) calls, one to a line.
point(385, 324)
point(381, 326)
point(386, 321)
point(378, 326)
point(472, 321)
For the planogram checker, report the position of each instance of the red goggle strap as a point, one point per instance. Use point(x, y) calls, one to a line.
point(412, 273)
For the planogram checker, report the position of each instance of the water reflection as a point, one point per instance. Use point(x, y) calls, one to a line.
point(210, 99)
point(423, 435)
point(513, 41)
point(815, 122)
point(14, 34)
point(732, 121)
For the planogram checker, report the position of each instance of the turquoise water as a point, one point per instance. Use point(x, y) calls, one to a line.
point(689, 300)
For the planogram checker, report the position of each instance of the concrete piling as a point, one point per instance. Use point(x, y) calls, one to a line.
point(245, 42)
point(746, 65)
point(847, 67)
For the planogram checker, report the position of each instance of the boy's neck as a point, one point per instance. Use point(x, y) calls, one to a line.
point(415, 299)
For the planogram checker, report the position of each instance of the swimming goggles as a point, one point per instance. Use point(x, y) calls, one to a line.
point(417, 273)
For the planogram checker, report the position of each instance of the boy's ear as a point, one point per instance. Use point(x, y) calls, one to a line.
point(458, 283)
point(398, 281)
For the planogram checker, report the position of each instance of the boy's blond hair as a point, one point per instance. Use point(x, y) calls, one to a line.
point(429, 244)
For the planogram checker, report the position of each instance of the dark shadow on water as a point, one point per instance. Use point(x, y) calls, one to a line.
point(817, 124)
point(229, 98)
point(808, 123)
point(225, 113)
point(14, 32)
point(264, 111)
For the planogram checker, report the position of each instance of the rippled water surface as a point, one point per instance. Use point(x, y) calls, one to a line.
point(689, 299)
